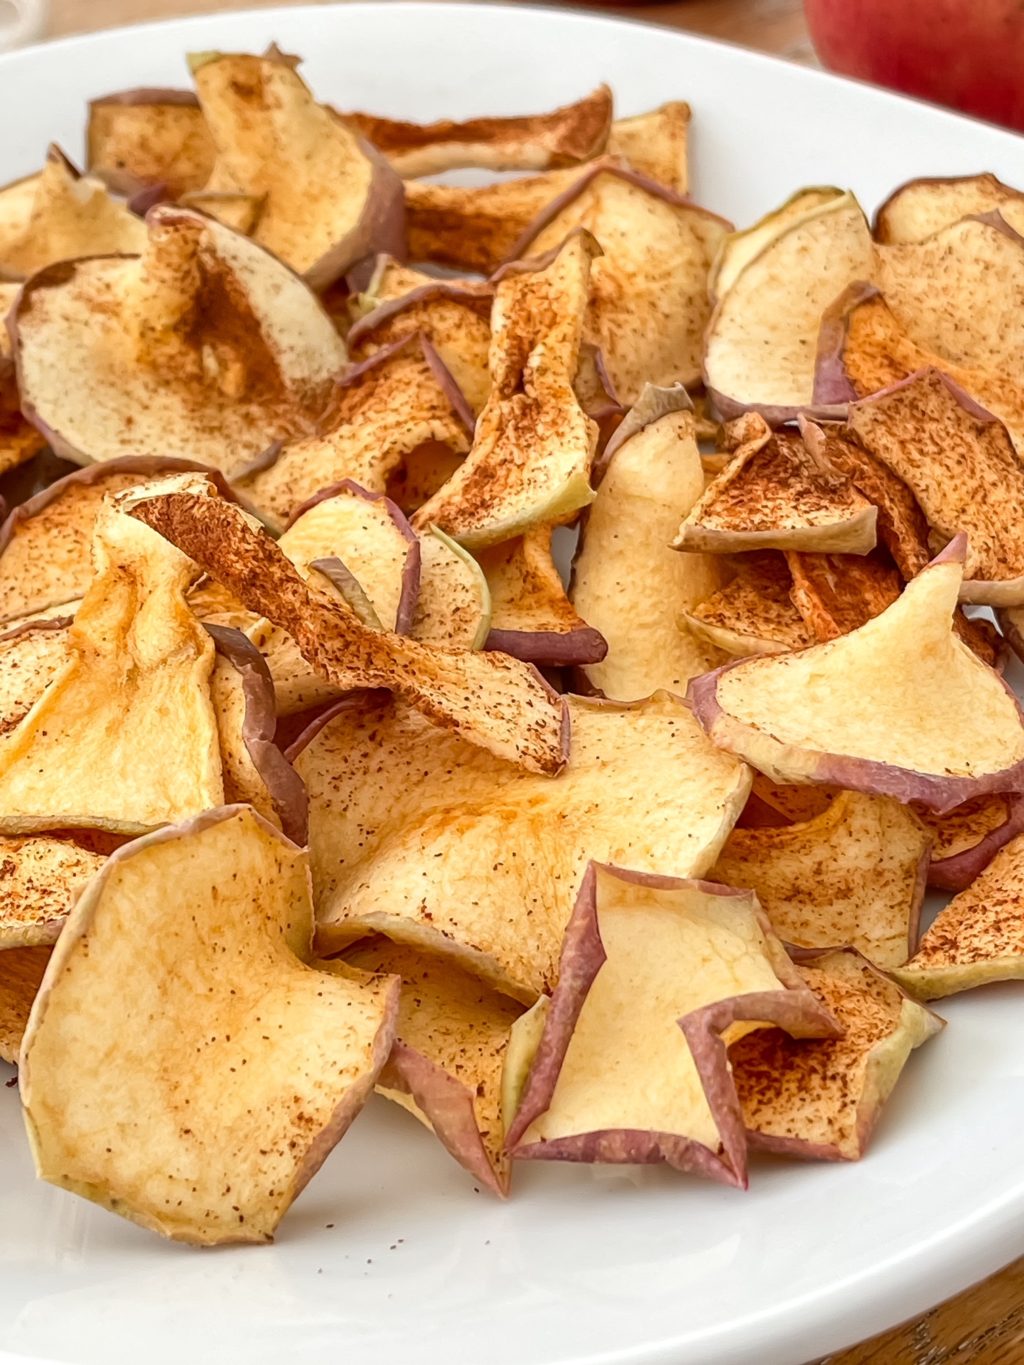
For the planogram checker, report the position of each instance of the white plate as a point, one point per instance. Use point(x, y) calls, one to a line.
point(391, 1256)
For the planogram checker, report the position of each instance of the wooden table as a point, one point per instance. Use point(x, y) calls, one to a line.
point(985, 1325)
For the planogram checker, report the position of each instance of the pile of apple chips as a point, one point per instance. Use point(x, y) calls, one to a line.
point(316, 780)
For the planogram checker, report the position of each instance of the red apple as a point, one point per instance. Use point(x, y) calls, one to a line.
point(965, 53)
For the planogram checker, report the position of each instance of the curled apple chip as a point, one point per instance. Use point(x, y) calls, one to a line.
point(835, 594)
point(920, 208)
point(531, 615)
point(949, 451)
point(534, 445)
point(40, 878)
point(778, 493)
point(852, 876)
point(969, 837)
point(329, 201)
point(446, 1063)
point(204, 346)
point(490, 699)
point(400, 813)
point(136, 139)
point(899, 707)
point(657, 976)
point(533, 142)
point(21, 974)
point(753, 613)
point(738, 249)
point(206, 1124)
point(454, 606)
point(627, 582)
point(820, 1099)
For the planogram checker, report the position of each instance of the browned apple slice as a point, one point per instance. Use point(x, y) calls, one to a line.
point(534, 445)
point(329, 199)
point(898, 708)
point(533, 142)
point(40, 878)
point(206, 1124)
point(21, 974)
point(754, 612)
point(657, 976)
point(835, 594)
point(945, 448)
point(792, 804)
point(969, 837)
point(627, 582)
point(146, 137)
point(446, 1063)
point(920, 208)
point(821, 1099)
point(852, 876)
point(205, 346)
point(240, 212)
point(490, 699)
point(400, 812)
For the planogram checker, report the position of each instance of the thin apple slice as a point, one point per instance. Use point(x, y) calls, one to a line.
point(945, 448)
point(206, 1124)
point(490, 699)
point(204, 347)
point(852, 876)
point(898, 708)
point(920, 208)
point(655, 143)
point(532, 142)
point(454, 606)
point(400, 812)
point(821, 1099)
point(626, 581)
point(40, 878)
point(835, 594)
point(740, 248)
point(32, 654)
point(657, 976)
point(969, 837)
point(979, 937)
point(140, 138)
point(534, 445)
point(777, 493)
point(446, 1063)
point(754, 612)
point(21, 974)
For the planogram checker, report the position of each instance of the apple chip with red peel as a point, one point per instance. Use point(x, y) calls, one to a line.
point(203, 346)
point(969, 837)
point(835, 594)
point(623, 1074)
point(206, 1124)
point(754, 612)
point(446, 1063)
point(402, 815)
point(21, 974)
point(920, 208)
point(899, 707)
point(853, 875)
point(531, 615)
point(489, 699)
point(626, 581)
point(961, 466)
point(738, 249)
point(32, 654)
point(40, 877)
point(148, 137)
point(454, 604)
point(820, 1099)
point(534, 445)
point(532, 142)
point(777, 493)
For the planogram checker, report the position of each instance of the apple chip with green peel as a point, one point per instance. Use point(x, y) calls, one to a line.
point(206, 1124)
point(623, 1074)
point(777, 493)
point(969, 837)
point(32, 654)
point(531, 615)
point(961, 466)
point(138, 139)
point(738, 249)
point(820, 1099)
point(489, 699)
point(899, 707)
point(446, 1063)
point(454, 604)
point(835, 594)
point(204, 346)
point(403, 818)
point(852, 876)
point(40, 878)
point(534, 446)
point(753, 613)
point(627, 582)
point(920, 208)
point(532, 142)
point(21, 974)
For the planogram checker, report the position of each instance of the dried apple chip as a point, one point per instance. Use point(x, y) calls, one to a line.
point(835, 594)
point(21, 973)
point(40, 877)
point(852, 876)
point(454, 606)
point(627, 582)
point(820, 1099)
point(657, 976)
point(206, 1124)
point(404, 817)
point(754, 612)
point(899, 707)
point(655, 143)
point(136, 139)
point(969, 837)
point(738, 249)
point(920, 208)
point(32, 654)
point(490, 699)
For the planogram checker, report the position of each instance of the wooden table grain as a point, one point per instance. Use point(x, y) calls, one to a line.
point(984, 1325)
